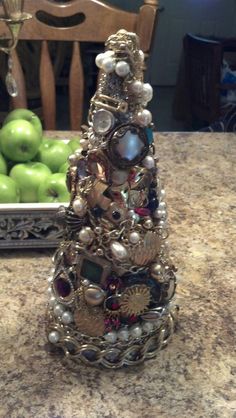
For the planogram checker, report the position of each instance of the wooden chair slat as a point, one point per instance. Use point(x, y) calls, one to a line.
point(148, 13)
point(47, 88)
point(76, 88)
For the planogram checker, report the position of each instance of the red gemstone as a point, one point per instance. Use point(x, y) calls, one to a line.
point(62, 287)
point(142, 211)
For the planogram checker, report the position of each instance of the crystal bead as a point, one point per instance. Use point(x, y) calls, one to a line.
point(11, 85)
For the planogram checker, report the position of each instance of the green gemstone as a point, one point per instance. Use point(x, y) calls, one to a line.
point(149, 133)
point(91, 271)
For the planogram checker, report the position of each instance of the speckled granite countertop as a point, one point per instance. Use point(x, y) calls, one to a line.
point(196, 375)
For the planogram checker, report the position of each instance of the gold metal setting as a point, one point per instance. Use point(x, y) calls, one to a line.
point(135, 300)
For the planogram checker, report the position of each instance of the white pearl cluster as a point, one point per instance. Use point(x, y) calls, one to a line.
point(144, 117)
point(124, 334)
point(143, 90)
point(107, 62)
point(161, 212)
point(59, 310)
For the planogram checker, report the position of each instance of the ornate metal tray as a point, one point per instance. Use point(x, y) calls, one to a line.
point(30, 225)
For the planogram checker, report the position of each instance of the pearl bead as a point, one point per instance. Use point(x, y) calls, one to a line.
point(136, 331)
point(118, 251)
point(79, 206)
point(53, 337)
point(49, 291)
point(123, 335)
point(156, 269)
point(162, 223)
point(131, 213)
point(134, 237)
point(147, 326)
point(100, 252)
point(162, 193)
point(58, 310)
point(148, 162)
point(136, 87)
point(99, 60)
point(98, 230)
point(86, 235)
point(111, 337)
point(94, 295)
point(108, 64)
point(147, 93)
point(157, 214)
point(163, 214)
point(141, 54)
point(50, 278)
point(52, 301)
point(66, 317)
point(144, 117)
point(162, 205)
point(122, 68)
point(148, 224)
point(85, 282)
point(72, 159)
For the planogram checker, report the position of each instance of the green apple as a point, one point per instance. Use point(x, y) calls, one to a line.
point(19, 140)
point(45, 143)
point(9, 191)
point(54, 155)
point(27, 115)
point(74, 144)
point(28, 177)
point(54, 189)
point(64, 168)
point(3, 165)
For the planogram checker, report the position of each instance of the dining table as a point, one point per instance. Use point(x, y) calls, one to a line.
point(195, 375)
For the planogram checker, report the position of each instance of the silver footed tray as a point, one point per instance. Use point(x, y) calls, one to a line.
point(30, 225)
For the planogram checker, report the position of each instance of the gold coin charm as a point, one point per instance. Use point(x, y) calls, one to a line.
point(135, 300)
point(90, 321)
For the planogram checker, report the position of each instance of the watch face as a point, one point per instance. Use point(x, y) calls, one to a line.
point(103, 121)
point(127, 145)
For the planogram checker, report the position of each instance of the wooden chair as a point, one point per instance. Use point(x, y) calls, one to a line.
point(75, 21)
point(203, 62)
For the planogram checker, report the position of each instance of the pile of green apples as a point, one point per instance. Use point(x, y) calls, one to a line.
point(32, 166)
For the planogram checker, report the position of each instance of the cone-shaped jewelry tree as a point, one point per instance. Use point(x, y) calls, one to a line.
point(112, 286)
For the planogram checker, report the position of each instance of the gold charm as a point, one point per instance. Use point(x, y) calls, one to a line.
point(146, 252)
point(90, 321)
point(135, 300)
point(109, 103)
point(96, 195)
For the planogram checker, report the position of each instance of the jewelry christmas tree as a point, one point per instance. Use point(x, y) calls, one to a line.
point(112, 286)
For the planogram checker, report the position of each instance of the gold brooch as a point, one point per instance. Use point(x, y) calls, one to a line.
point(135, 300)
